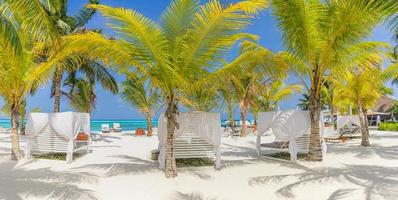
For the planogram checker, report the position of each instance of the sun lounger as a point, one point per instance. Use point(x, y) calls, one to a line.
point(349, 131)
point(347, 128)
point(116, 127)
point(105, 128)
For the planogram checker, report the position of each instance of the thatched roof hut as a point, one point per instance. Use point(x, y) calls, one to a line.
point(384, 105)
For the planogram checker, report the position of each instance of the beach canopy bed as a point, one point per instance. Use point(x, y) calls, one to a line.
point(198, 136)
point(291, 129)
point(348, 126)
point(65, 132)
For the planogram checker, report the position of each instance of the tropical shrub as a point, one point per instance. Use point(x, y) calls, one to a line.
point(388, 126)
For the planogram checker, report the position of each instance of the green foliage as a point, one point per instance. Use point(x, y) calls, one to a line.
point(304, 102)
point(363, 85)
point(140, 93)
point(56, 156)
point(286, 156)
point(194, 162)
point(202, 99)
point(394, 109)
point(81, 96)
point(388, 126)
point(80, 92)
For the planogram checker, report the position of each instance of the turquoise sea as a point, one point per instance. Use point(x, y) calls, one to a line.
point(127, 125)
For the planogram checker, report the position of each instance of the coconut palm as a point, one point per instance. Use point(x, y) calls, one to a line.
point(69, 25)
point(200, 99)
point(362, 87)
point(304, 101)
point(93, 72)
point(82, 97)
point(255, 74)
point(30, 15)
point(80, 92)
point(274, 92)
point(229, 100)
point(176, 54)
point(320, 37)
point(140, 93)
point(18, 74)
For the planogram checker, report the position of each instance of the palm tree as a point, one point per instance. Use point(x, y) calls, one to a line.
point(229, 100)
point(200, 99)
point(304, 101)
point(320, 37)
point(69, 25)
point(186, 47)
point(274, 92)
point(80, 92)
point(140, 93)
point(18, 74)
point(255, 74)
point(32, 16)
point(362, 87)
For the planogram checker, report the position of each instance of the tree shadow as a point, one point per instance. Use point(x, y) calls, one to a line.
point(109, 139)
point(238, 151)
point(340, 194)
point(131, 165)
point(19, 183)
point(389, 152)
point(375, 181)
point(191, 196)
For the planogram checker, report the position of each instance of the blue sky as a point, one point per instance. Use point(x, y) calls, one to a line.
point(112, 107)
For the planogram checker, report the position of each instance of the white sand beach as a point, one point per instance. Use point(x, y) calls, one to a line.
point(120, 168)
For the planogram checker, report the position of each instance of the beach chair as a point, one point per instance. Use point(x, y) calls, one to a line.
point(116, 127)
point(105, 128)
point(348, 127)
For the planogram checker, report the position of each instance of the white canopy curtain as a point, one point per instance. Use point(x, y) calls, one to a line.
point(205, 124)
point(287, 125)
point(65, 124)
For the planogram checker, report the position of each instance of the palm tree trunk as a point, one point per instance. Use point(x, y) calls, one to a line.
point(332, 110)
point(57, 89)
point(15, 151)
point(149, 124)
point(23, 113)
point(23, 129)
point(363, 119)
point(243, 114)
point(171, 114)
point(231, 117)
point(315, 150)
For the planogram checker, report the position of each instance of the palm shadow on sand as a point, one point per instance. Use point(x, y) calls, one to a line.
point(191, 196)
point(374, 181)
point(131, 165)
point(19, 183)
